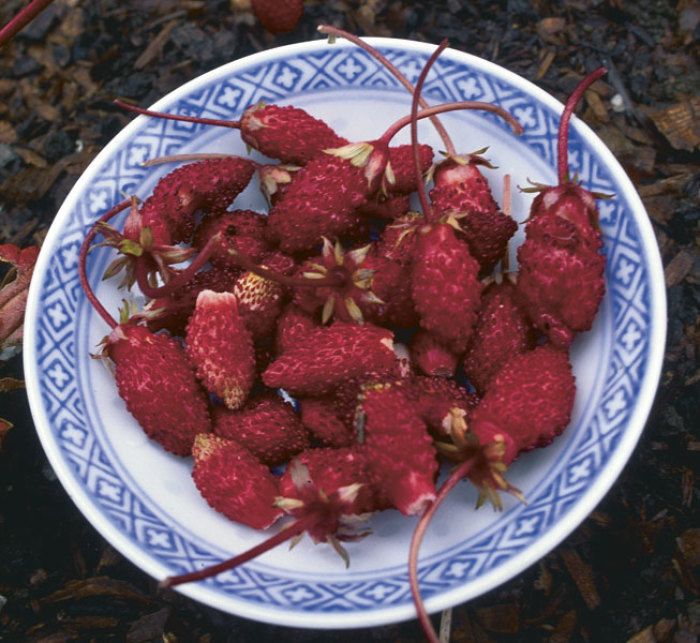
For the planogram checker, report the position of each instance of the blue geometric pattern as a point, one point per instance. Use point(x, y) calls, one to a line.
point(63, 310)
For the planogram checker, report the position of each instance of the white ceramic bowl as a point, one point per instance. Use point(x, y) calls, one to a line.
point(142, 500)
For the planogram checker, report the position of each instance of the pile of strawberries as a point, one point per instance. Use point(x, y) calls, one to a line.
point(400, 334)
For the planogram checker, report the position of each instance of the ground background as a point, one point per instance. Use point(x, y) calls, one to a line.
point(631, 569)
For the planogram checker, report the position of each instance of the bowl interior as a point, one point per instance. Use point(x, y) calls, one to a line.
point(143, 500)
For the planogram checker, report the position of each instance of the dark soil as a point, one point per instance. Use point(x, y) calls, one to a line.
point(630, 571)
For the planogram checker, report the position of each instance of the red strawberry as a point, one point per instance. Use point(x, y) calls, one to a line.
point(336, 354)
point(560, 282)
point(293, 328)
point(320, 417)
point(502, 331)
point(278, 17)
point(332, 469)
point(158, 385)
point(529, 401)
point(322, 199)
point(241, 230)
point(173, 311)
point(571, 202)
point(431, 356)
point(462, 192)
point(220, 346)
point(287, 133)
point(402, 165)
point(399, 238)
point(267, 426)
point(234, 483)
point(207, 185)
point(445, 286)
point(399, 449)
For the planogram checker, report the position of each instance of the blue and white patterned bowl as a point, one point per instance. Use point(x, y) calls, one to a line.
point(142, 499)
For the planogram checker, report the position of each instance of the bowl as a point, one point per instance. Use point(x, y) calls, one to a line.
point(142, 499)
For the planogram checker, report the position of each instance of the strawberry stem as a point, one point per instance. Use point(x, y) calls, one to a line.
point(288, 533)
point(22, 19)
point(451, 107)
point(292, 282)
point(425, 204)
point(176, 117)
point(563, 135)
point(394, 71)
point(460, 472)
point(82, 262)
point(180, 279)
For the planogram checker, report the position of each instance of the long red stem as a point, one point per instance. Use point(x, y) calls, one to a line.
point(449, 484)
point(293, 282)
point(425, 204)
point(176, 117)
point(290, 532)
point(394, 71)
point(505, 266)
point(179, 280)
point(82, 262)
point(22, 19)
point(451, 107)
point(563, 136)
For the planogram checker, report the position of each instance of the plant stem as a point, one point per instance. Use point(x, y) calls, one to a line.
point(176, 117)
point(449, 484)
point(82, 262)
point(290, 532)
point(394, 71)
point(22, 19)
point(563, 135)
point(425, 204)
point(452, 107)
point(179, 280)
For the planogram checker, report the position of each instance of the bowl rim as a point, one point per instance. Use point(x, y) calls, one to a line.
point(384, 615)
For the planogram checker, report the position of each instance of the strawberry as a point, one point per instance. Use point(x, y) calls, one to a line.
point(278, 17)
point(233, 482)
point(220, 346)
point(321, 200)
point(431, 356)
point(320, 417)
point(445, 286)
point(461, 192)
point(287, 133)
point(529, 401)
point(158, 385)
point(240, 230)
point(267, 426)
point(560, 283)
point(502, 331)
point(399, 449)
point(331, 469)
point(260, 300)
point(337, 353)
point(208, 185)
point(173, 311)
point(294, 326)
point(398, 239)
